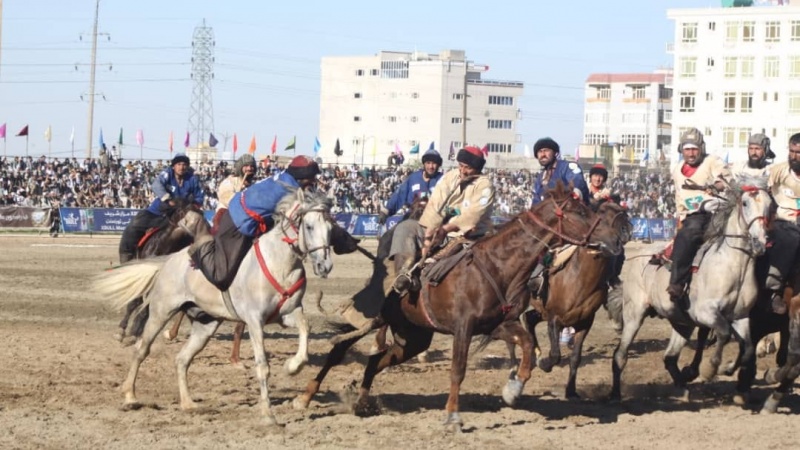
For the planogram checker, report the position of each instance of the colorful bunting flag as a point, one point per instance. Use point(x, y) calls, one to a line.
point(140, 137)
point(186, 140)
point(212, 141)
point(23, 131)
point(235, 144)
point(414, 150)
point(317, 145)
point(252, 149)
point(48, 133)
point(170, 142)
point(292, 144)
point(3, 131)
point(101, 141)
point(274, 148)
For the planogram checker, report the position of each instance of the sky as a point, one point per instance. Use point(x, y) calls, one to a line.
point(267, 62)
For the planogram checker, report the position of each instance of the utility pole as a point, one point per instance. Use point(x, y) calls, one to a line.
point(464, 111)
point(91, 82)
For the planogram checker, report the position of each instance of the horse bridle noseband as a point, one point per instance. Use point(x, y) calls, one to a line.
point(559, 213)
point(294, 221)
point(746, 235)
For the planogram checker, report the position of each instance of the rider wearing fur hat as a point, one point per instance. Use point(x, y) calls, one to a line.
point(461, 205)
point(759, 157)
point(546, 150)
point(244, 171)
point(417, 184)
point(694, 179)
point(176, 181)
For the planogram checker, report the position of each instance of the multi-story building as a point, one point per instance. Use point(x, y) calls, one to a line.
point(737, 72)
point(626, 116)
point(375, 105)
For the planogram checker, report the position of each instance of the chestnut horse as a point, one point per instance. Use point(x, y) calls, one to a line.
point(483, 295)
point(571, 304)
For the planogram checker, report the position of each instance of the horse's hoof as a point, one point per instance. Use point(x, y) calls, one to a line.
point(512, 391)
point(771, 405)
point(453, 423)
point(708, 372)
point(271, 421)
point(119, 337)
point(682, 394)
point(299, 403)
point(770, 375)
point(293, 368)
point(689, 373)
point(423, 357)
point(545, 365)
point(189, 405)
point(238, 365)
point(127, 341)
point(740, 399)
point(572, 396)
point(131, 406)
point(167, 335)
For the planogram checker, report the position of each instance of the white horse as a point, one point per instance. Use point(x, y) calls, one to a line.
point(268, 288)
point(721, 293)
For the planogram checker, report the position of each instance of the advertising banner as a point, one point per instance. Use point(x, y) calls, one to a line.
point(24, 217)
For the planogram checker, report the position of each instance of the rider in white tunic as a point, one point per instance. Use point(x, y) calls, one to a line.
point(759, 158)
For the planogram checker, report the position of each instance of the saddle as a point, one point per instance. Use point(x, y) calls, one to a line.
point(443, 260)
point(147, 235)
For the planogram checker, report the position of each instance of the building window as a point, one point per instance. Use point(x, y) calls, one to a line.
point(795, 27)
point(772, 66)
point(413, 119)
point(496, 124)
point(392, 118)
point(730, 66)
point(456, 120)
point(639, 92)
point(373, 72)
point(748, 31)
point(638, 141)
point(357, 95)
point(776, 97)
point(748, 65)
point(595, 139)
point(712, 26)
point(687, 101)
point(794, 67)
point(499, 148)
point(744, 136)
point(414, 95)
point(458, 96)
point(765, 96)
point(689, 32)
point(664, 93)
point(360, 72)
point(710, 62)
point(688, 67)
point(393, 69)
point(603, 92)
point(773, 31)
point(501, 100)
point(728, 135)
point(732, 32)
point(746, 102)
point(729, 104)
point(709, 96)
point(357, 119)
point(794, 102)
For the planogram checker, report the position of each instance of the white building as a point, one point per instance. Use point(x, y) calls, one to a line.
point(627, 113)
point(377, 104)
point(737, 72)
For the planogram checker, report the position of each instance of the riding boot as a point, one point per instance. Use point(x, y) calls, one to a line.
point(774, 283)
point(778, 303)
point(536, 281)
point(198, 242)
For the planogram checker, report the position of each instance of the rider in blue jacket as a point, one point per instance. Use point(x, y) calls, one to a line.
point(176, 181)
point(546, 150)
point(418, 183)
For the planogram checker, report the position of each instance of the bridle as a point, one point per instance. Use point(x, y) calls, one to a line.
point(294, 222)
point(752, 190)
point(559, 230)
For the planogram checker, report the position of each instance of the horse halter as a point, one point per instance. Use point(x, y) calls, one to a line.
point(559, 231)
point(294, 221)
point(751, 190)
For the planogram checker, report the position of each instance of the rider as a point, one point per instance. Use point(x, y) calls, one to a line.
point(418, 183)
point(547, 151)
point(176, 181)
point(784, 185)
point(759, 156)
point(244, 171)
point(599, 193)
point(460, 205)
point(248, 216)
point(703, 173)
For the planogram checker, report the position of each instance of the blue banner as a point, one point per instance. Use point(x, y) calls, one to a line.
point(656, 227)
point(76, 220)
point(640, 230)
point(365, 225)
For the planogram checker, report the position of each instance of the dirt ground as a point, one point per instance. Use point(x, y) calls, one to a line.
point(61, 371)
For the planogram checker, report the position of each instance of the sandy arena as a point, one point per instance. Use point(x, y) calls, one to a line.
point(61, 373)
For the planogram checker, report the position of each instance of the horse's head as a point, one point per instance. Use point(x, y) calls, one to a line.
point(192, 222)
point(307, 215)
point(616, 217)
point(571, 220)
point(749, 197)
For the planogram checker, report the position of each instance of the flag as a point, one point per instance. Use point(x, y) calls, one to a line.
point(212, 141)
point(186, 140)
point(139, 137)
point(485, 150)
point(632, 154)
point(23, 131)
point(577, 152)
point(526, 152)
point(451, 155)
point(120, 137)
point(235, 144)
point(252, 149)
point(430, 147)
point(72, 135)
point(727, 155)
point(645, 158)
point(397, 150)
point(275, 145)
point(3, 131)
point(292, 144)
point(170, 142)
point(414, 150)
point(317, 145)
point(337, 150)
point(374, 148)
point(48, 133)
point(101, 141)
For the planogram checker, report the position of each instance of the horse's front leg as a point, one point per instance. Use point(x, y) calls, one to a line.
point(677, 341)
point(553, 332)
point(692, 371)
point(634, 314)
point(255, 325)
point(458, 368)
point(787, 373)
point(575, 359)
point(514, 334)
point(297, 319)
point(723, 331)
point(335, 357)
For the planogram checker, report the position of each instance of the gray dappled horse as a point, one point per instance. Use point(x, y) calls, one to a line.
point(169, 284)
point(721, 294)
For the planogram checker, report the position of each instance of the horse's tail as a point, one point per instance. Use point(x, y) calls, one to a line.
point(614, 306)
point(125, 284)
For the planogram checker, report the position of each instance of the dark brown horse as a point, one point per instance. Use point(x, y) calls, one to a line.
point(157, 242)
point(571, 304)
point(483, 295)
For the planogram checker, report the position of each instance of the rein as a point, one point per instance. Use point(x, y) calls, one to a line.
point(746, 235)
point(559, 212)
point(285, 293)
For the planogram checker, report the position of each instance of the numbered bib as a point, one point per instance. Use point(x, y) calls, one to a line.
point(693, 203)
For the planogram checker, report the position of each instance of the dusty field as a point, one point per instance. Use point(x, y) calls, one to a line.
point(61, 371)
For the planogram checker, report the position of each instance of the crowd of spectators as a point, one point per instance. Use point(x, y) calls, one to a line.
point(105, 182)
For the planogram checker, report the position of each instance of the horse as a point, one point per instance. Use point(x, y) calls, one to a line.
point(268, 287)
point(721, 294)
point(484, 294)
point(157, 242)
point(574, 304)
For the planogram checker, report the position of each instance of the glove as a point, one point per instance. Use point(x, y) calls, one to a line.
point(382, 218)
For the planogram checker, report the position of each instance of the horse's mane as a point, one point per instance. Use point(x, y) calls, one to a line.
point(558, 193)
point(716, 228)
point(310, 200)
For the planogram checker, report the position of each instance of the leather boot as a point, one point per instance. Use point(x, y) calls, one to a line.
point(198, 243)
point(677, 294)
point(778, 303)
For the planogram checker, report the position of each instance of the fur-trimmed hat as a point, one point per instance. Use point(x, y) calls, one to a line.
point(599, 169)
point(303, 168)
point(692, 137)
point(433, 156)
point(243, 161)
point(546, 142)
point(471, 156)
point(762, 141)
point(180, 157)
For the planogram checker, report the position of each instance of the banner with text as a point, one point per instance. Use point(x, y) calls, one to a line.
point(24, 217)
